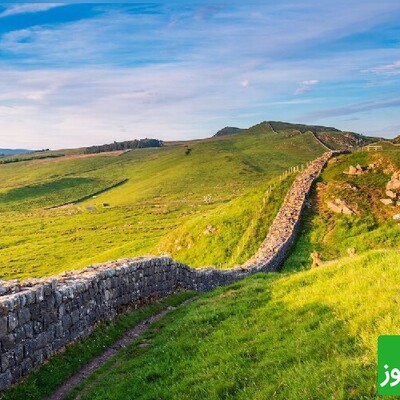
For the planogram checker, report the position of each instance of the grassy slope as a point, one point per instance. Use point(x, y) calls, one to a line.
point(168, 196)
point(310, 335)
point(372, 228)
point(305, 335)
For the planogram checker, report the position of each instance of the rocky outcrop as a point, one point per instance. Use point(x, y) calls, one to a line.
point(340, 206)
point(39, 317)
point(351, 251)
point(394, 183)
point(392, 190)
point(355, 171)
point(386, 202)
point(391, 194)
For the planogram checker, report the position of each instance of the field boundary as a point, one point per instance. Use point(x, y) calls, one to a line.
point(90, 195)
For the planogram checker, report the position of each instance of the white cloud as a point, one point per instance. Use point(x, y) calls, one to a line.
point(388, 69)
point(305, 86)
point(25, 8)
point(121, 76)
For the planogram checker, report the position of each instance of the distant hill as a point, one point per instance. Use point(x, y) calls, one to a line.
point(330, 137)
point(10, 152)
point(396, 140)
point(282, 126)
point(279, 126)
point(344, 140)
point(228, 130)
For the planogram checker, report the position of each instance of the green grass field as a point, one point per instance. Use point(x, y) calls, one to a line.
point(309, 335)
point(300, 334)
point(196, 207)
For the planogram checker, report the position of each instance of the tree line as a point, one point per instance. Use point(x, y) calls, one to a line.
point(127, 145)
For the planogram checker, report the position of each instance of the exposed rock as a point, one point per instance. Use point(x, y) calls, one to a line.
point(355, 171)
point(391, 194)
point(387, 202)
point(339, 206)
point(394, 183)
point(351, 251)
point(333, 160)
point(352, 170)
point(396, 217)
point(209, 230)
point(316, 260)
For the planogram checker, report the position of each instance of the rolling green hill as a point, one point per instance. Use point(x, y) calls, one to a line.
point(193, 205)
point(301, 334)
point(192, 200)
point(304, 333)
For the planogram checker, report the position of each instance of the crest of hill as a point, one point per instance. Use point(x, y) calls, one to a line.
point(330, 137)
point(228, 130)
point(396, 140)
point(302, 128)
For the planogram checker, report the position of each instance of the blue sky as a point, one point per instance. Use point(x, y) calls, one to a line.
point(74, 74)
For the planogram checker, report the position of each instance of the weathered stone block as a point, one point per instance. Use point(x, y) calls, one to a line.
point(3, 326)
point(8, 342)
point(5, 380)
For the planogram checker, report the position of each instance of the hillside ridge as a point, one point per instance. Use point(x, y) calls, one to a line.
point(329, 137)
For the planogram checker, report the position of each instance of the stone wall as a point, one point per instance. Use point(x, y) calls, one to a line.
point(39, 317)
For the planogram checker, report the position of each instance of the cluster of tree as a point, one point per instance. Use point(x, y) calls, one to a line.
point(129, 144)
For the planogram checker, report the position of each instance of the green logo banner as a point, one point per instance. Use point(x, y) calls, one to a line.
point(389, 365)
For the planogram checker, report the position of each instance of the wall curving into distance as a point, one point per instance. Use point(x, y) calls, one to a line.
point(40, 317)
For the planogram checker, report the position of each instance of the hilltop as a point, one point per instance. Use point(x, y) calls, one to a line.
point(332, 138)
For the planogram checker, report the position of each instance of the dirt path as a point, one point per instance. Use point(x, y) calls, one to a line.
point(98, 361)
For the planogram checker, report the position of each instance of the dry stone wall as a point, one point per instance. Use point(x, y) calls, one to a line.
point(39, 317)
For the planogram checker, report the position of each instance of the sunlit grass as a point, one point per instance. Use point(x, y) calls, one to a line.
point(311, 335)
point(168, 201)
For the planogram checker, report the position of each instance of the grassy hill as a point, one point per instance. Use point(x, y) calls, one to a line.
point(195, 205)
point(228, 130)
point(302, 128)
point(299, 334)
point(192, 200)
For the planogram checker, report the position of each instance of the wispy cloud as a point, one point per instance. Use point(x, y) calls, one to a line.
point(25, 8)
point(173, 71)
point(387, 70)
point(354, 108)
point(305, 86)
